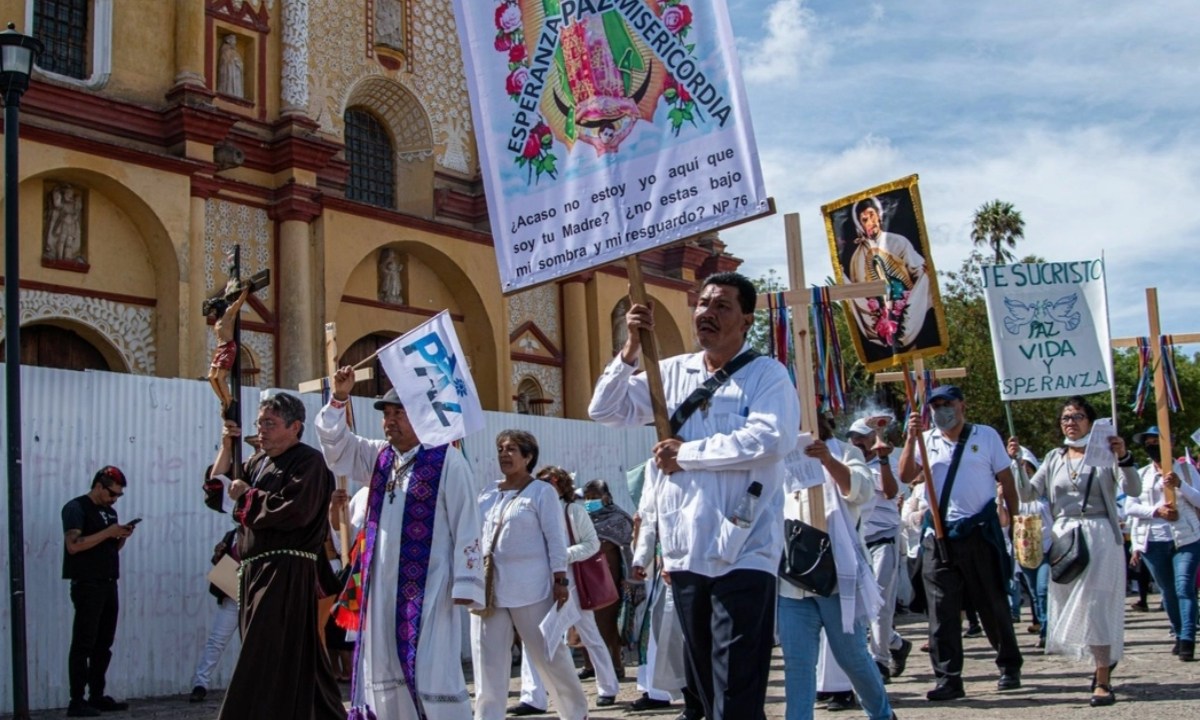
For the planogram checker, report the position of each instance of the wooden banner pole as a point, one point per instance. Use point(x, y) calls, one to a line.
point(930, 492)
point(658, 399)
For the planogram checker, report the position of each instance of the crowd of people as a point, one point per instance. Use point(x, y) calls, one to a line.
point(697, 594)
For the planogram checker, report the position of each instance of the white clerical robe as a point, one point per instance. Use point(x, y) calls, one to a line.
point(455, 572)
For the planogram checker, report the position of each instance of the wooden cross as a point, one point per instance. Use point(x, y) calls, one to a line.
point(919, 371)
point(319, 385)
point(798, 300)
point(1166, 455)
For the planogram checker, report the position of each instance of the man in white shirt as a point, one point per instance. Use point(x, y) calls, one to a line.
point(722, 573)
point(881, 531)
point(976, 567)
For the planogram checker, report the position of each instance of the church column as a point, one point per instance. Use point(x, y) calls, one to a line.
point(189, 42)
point(294, 88)
point(299, 319)
point(577, 376)
point(193, 328)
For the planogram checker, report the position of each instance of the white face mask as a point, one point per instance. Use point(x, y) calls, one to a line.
point(1079, 443)
point(944, 418)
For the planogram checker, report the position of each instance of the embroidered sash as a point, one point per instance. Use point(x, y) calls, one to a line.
point(416, 541)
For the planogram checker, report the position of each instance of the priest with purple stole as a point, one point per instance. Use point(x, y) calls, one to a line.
point(418, 559)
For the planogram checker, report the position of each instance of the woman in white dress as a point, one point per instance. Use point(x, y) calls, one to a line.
point(1086, 615)
point(525, 535)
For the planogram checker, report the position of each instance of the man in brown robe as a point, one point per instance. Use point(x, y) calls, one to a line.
point(281, 510)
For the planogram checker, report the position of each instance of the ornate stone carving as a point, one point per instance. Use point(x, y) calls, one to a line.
point(295, 72)
point(391, 284)
point(227, 224)
point(389, 24)
point(436, 81)
point(129, 328)
point(64, 223)
point(540, 306)
point(230, 69)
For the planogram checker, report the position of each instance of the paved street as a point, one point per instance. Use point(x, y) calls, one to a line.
point(1149, 682)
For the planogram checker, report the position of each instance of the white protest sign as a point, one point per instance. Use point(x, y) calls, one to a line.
point(1098, 453)
point(1049, 324)
point(801, 471)
point(429, 371)
point(605, 128)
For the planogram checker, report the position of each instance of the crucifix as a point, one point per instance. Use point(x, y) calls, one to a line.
point(799, 300)
point(1166, 455)
point(323, 386)
point(225, 371)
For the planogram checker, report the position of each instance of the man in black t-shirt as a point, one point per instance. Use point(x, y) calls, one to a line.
point(92, 542)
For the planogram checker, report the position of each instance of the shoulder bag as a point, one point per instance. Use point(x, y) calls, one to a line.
point(703, 394)
point(1069, 551)
point(489, 567)
point(594, 584)
point(807, 559)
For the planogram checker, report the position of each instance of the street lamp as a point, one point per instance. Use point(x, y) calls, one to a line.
point(17, 54)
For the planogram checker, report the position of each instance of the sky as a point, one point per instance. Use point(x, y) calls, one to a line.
point(1083, 114)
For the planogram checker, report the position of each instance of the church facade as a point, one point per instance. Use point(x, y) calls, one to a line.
point(332, 143)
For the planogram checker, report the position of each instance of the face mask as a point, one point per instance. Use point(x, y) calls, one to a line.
point(1081, 442)
point(593, 505)
point(944, 418)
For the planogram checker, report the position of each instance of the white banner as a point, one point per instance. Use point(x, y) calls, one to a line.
point(1049, 325)
point(429, 371)
point(605, 128)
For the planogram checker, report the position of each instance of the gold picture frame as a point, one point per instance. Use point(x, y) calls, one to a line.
point(889, 244)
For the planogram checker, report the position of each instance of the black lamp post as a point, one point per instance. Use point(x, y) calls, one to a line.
point(17, 55)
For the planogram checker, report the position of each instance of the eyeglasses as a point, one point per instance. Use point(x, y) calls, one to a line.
point(1073, 417)
point(112, 493)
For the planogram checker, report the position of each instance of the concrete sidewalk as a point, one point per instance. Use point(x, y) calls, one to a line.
point(1149, 682)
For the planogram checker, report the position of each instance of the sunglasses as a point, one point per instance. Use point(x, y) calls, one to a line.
point(1074, 417)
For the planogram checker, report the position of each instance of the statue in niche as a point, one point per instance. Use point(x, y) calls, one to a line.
point(391, 286)
point(389, 24)
point(64, 224)
point(230, 69)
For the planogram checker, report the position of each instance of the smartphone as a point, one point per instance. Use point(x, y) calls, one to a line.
point(133, 522)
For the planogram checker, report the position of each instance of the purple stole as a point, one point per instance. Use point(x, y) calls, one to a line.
point(416, 542)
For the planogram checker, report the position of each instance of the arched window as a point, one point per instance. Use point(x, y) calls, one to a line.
point(363, 348)
point(371, 158)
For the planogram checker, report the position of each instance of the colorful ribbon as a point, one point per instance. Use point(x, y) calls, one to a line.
point(830, 368)
point(1166, 349)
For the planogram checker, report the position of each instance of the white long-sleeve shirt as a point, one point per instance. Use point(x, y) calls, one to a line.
point(587, 542)
point(1144, 526)
point(742, 436)
point(531, 544)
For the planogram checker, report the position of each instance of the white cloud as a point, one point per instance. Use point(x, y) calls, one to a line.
point(790, 46)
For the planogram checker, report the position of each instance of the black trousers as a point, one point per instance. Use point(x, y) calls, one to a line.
point(973, 573)
point(729, 631)
point(92, 634)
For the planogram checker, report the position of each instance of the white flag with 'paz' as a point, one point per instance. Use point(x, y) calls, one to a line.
point(429, 371)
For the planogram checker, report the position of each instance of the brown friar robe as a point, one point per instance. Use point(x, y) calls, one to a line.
point(282, 672)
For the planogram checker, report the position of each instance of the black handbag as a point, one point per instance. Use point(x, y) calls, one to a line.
point(1069, 552)
point(807, 559)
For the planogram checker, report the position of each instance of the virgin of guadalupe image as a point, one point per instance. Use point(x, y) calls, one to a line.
point(894, 321)
point(603, 80)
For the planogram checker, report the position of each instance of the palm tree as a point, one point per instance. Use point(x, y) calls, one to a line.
point(998, 226)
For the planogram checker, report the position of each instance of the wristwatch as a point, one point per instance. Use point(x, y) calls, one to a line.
point(562, 581)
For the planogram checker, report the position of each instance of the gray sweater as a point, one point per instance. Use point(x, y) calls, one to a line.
point(1053, 482)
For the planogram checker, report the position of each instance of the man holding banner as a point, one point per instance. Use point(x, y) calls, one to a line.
point(418, 553)
point(743, 421)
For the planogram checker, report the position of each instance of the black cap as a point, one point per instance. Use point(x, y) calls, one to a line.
point(755, 489)
point(391, 397)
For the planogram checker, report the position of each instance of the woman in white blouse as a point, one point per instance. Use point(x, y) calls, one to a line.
point(584, 544)
point(525, 534)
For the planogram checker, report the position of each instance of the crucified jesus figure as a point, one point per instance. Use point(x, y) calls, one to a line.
point(224, 315)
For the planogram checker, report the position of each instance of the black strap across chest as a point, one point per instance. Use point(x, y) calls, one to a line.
point(952, 471)
point(701, 395)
